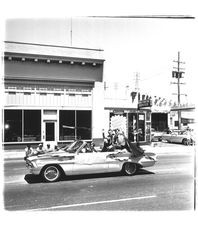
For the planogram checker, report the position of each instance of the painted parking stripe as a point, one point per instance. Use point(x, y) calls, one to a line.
point(173, 170)
point(94, 203)
point(15, 181)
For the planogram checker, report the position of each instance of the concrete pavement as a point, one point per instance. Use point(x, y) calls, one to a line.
point(155, 147)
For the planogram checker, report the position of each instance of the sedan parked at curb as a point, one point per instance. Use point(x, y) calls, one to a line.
point(78, 159)
point(183, 137)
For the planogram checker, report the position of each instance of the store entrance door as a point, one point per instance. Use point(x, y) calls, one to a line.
point(50, 131)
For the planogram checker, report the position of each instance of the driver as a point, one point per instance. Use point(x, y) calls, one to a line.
point(89, 148)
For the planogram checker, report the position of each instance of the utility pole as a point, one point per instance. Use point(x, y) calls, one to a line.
point(178, 74)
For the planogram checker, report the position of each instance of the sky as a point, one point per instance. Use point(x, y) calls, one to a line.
point(146, 46)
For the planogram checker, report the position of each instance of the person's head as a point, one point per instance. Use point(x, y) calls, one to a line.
point(48, 145)
point(117, 131)
point(40, 145)
point(110, 132)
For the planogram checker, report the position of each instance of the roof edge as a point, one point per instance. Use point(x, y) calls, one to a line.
point(51, 45)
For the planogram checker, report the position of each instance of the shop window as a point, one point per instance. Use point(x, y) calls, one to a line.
point(32, 125)
point(66, 125)
point(83, 119)
point(74, 125)
point(13, 125)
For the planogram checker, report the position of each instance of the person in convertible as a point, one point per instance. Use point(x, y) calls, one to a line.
point(122, 142)
point(118, 140)
point(108, 141)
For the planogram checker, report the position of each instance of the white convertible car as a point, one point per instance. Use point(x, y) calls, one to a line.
point(76, 159)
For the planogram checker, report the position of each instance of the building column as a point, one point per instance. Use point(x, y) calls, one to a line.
point(98, 112)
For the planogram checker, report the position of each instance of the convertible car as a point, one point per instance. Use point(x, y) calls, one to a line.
point(78, 158)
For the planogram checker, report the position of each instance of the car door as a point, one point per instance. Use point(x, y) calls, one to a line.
point(88, 163)
point(166, 137)
point(115, 160)
point(174, 137)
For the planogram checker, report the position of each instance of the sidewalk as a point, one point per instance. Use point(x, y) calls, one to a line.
point(155, 147)
point(166, 148)
point(13, 154)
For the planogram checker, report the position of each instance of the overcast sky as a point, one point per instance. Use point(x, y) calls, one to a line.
point(146, 46)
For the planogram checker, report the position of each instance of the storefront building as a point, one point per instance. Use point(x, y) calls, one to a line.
point(52, 94)
point(121, 112)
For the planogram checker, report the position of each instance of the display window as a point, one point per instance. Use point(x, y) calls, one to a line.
point(74, 124)
point(66, 125)
point(83, 122)
point(12, 125)
point(32, 125)
point(22, 125)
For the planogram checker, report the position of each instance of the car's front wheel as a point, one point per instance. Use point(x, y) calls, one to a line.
point(51, 173)
point(130, 168)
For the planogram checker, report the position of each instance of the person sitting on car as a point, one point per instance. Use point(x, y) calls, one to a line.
point(28, 151)
point(89, 148)
point(48, 148)
point(39, 149)
point(108, 141)
point(123, 143)
point(92, 147)
point(119, 140)
point(56, 148)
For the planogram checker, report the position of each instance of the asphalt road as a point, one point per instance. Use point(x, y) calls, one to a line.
point(169, 185)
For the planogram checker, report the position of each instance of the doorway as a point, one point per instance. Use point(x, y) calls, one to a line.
point(50, 131)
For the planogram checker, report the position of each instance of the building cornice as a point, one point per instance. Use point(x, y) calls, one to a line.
point(43, 51)
point(46, 80)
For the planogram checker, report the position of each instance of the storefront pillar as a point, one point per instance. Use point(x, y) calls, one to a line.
point(98, 112)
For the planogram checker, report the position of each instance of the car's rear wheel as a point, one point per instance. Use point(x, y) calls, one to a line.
point(51, 173)
point(130, 168)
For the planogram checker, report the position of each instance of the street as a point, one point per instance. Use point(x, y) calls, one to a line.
point(169, 185)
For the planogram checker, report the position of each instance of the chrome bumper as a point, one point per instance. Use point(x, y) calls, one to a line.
point(32, 169)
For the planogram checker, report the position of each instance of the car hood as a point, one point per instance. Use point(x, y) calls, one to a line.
point(51, 155)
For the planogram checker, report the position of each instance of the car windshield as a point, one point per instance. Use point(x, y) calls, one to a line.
point(73, 147)
point(66, 147)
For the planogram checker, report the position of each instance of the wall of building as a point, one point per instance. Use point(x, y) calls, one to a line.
point(98, 116)
point(53, 70)
point(60, 94)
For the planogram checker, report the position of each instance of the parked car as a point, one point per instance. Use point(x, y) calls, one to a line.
point(77, 158)
point(177, 136)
